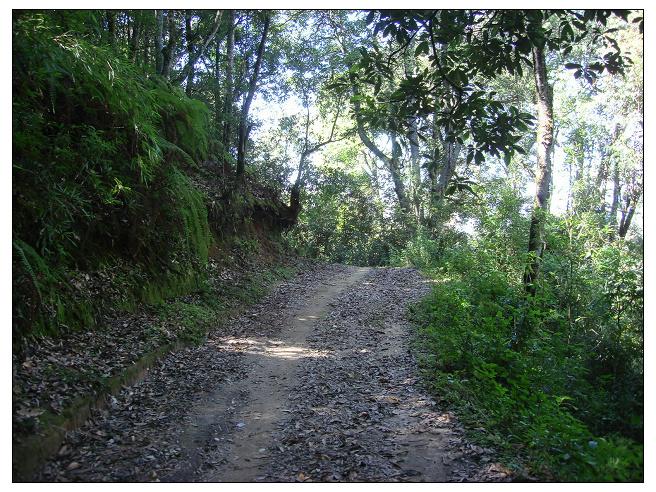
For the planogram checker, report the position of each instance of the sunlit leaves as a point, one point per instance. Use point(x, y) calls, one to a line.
point(463, 49)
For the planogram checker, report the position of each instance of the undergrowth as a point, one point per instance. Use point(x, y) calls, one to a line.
point(99, 188)
point(564, 403)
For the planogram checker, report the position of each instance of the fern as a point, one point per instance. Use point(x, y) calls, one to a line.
point(19, 248)
point(95, 149)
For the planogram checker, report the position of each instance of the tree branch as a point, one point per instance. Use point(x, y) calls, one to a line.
point(192, 61)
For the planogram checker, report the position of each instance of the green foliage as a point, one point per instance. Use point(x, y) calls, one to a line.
point(42, 298)
point(188, 214)
point(342, 221)
point(185, 123)
point(426, 247)
point(95, 149)
point(569, 400)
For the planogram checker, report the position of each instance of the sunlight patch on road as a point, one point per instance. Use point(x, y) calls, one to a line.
point(269, 348)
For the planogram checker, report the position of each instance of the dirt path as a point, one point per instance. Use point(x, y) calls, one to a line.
point(255, 404)
point(315, 383)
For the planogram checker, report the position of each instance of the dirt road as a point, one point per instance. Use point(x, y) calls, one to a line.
point(315, 383)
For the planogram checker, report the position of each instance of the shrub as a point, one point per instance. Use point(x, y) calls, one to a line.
point(568, 401)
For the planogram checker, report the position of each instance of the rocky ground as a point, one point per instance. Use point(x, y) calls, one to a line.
point(315, 383)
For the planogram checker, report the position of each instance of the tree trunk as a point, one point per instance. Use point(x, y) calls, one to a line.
point(415, 170)
point(146, 49)
point(605, 162)
point(159, 18)
point(295, 194)
point(167, 55)
point(243, 121)
point(450, 153)
point(615, 204)
point(391, 163)
point(228, 101)
point(218, 101)
point(189, 40)
point(134, 40)
point(413, 139)
point(433, 173)
point(399, 185)
point(196, 53)
point(627, 216)
point(111, 27)
point(544, 142)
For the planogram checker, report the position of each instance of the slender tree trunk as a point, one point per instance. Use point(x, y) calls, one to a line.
point(295, 193)
point(111, 27)
point(146, 48)
point(218, 101)
point(243, 122)
point(615, 204)
point(134, 40)
point(433, 173)
point(189, 39)
point(627, 216)
point(604, 169)
point(159, 35)
point(450, 154)
point(228, 101)
point(394, 167)
point(415, 170)
point(536, 241)
point(399, 185)
point(167, 55)
point(413, 139)
point(195, 53)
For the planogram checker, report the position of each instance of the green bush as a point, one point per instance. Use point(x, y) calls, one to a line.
point(568, 400)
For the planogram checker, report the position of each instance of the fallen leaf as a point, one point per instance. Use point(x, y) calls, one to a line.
point(64, 450)
point(30, 412)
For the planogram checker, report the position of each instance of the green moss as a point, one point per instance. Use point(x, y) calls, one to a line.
point(189, 204)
